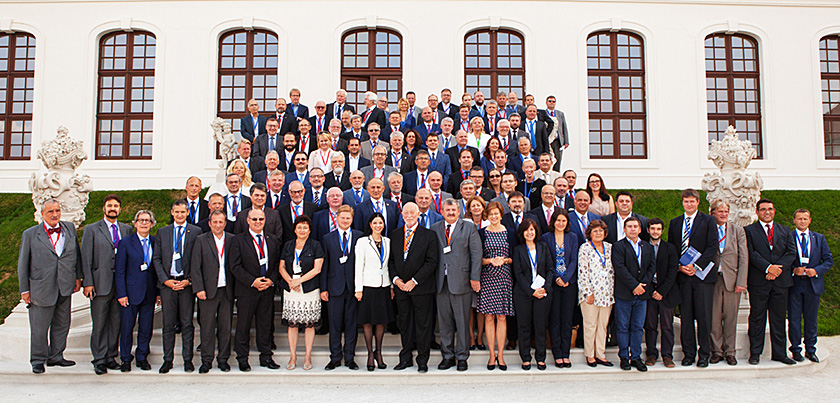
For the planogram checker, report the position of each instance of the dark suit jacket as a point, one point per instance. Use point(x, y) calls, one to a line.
point(507, 220)
point(322, 197)
point(329, 181)
point(422, 261)
point(515, 162)
point(97, 255)
point(410, 181)
point(537, 214)
point(139, 286)
point(442, 164)
point(292, 176)
point(245, 263)
point(287, 124)
point(312, 250)
point(313, 121)
point(667, 267)
point(453, 110)
point(165, 248)
point(543, 116)
point(260, 145)
point(204, 266)
point(364, 210)
point(406, 162)
point(574, 223)
point(376, 115)
point(703, 238)
point(522, 268)
point(302, 110)
point(819, 259)
point(331, 110)
point(337, 277)
point(283, 199)
point(540, 143)
point(311, 143)
point(272, 222)
point(532, 191)
point(423, 131)
point(362, 136)
point(612, 226)
point(254, 163)
point(244, 202)
point(203, 211)
point(571, 246)
point(762, 256)
point(247, 129)
point(404, 198)
point(287, 219)
point(385, 134)
point(321, 223)
point(453, 154)
point(628, 273)
point(363, 162)
point(350, 197)
point(205, 225)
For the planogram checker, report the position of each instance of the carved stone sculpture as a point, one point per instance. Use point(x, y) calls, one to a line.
point(223, 134)
point(732, 183)
point(61, 156)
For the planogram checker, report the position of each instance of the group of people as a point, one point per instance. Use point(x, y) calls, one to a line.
point(455, 230)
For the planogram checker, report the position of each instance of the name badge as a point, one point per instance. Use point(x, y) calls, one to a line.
point(342, 260)
point(604, 273)
point(176, 256)
point(447, 249)
point(263, 261)
point(296, 269)
point(144, 267)
point(381, 272)
point(804, 260)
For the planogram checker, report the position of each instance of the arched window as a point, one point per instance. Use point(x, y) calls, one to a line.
point(732, 87)
point(494, 61)
point(247, 69)
point(616, 82)
point(830, 70)
point(126, 95)
point(371, 60)
point(17, 86)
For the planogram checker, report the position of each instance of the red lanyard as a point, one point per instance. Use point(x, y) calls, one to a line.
point(304, 140)
point(328, 159)
point(332, 217)
point(261, 248)
point(58, 238)
point(221, 253)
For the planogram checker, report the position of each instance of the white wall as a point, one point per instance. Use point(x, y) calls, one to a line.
point(555, 32)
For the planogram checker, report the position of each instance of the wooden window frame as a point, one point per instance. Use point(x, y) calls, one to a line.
point(7, 115)
point(828, 57)
point(494, 71)
point(371, 73)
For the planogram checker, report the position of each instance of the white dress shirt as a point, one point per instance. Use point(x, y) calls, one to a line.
point(220, 248)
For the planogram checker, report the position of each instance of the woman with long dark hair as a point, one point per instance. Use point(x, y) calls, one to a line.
point(373, 287)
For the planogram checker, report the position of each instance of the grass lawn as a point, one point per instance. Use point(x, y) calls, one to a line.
point(16, 214)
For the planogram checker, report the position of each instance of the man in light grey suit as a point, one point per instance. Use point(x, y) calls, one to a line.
point(49, 272)
point(559, 136)
point(732, 265)
point(172, 253)
point(99, 247)
point(378, 169)
point(368, 145)
point(457, 277)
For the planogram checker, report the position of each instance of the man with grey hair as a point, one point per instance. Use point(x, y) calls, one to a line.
point(378, 168)
point(338, 177)
point(457, 278)
point(373, 132)
point(371, 112)
point(356, 129)
point(196, 206)
point(398, 158)
point(272, 161)
point(395, 190)
point(335, 109)
point(48, 274)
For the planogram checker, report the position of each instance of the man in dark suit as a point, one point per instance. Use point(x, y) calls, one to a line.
point(428, 216)
point(290, 212)
point(439, 161)
point(418, 179)
point(213, 285)
point(357, 193)
point(695, 230)
point(196, 206)
point(462, 121)
point(398, 157)
point(509, 182)
point(427, 124)
point(272, 225)
point(137, 290)
point(252, 254)
point(516, 160)
point(324, 221)
point(355, 160)
point(535, 130)
point(305, 139)
point(356, 130)
point(413, 262)
point(276, 196)
point(395, 191)
point(319, 121)
point(235, 201)
point(216, 202)
point(457, 279)
point(664, 297)
point(556, 120)
point(623, 211)
point(513, 104)
point(454, 152)
point(812, 261)
point(768, 281)
point(269, 141)
point(514, 217)
point(99, 247)
point(301, 172)
point(173, 250)
point(580, 218)
point(446, 106)
point(334, 109)
point(338, 177)
point(491, 118)
point(564, 201)
point(634, 264)
point(371, 112)
point(317, 194)
point(287, 123)
point(376, 138)
point(338, 142)
point(338, 288)
point(286, 156)
point(461, 173)
point(542, 213)
point(376, 203)
point(272, 161)
point(49, 272)
point(296, 108)
point(254, 124)
point(243, 151)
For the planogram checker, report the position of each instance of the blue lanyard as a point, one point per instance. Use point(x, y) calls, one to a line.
point(602, 258)
point(425, 178)
point(637, 249)
point(528, 191)
point(344, 245)
point(297, 257)
point(533, 258)
point(178, 239)
point(381, 253)
point(396, 160)
point(358, 198)
point(803, 249)
point(378, 210)
point(232, 199)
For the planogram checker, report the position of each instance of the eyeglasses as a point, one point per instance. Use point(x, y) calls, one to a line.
point(257, 219)
point(379, 154)
point(316, 176)
point(144, 221)
point(495, 176)
point(320, 107)
point(373, 130)
point(551, 100)
point(300, 159)
point(296, 191)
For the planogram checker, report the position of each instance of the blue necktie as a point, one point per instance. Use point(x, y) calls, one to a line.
point(264, 267)
point(179, 269)
point(804, 242)
point(146, 253)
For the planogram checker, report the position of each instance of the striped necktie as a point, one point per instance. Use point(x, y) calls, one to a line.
point(686, 233)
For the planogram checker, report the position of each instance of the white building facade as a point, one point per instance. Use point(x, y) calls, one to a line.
point(641, 82)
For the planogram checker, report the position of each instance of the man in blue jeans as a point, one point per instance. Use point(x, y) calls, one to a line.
point(634, 264)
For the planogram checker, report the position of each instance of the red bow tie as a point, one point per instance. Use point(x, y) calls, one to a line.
point(51, 231)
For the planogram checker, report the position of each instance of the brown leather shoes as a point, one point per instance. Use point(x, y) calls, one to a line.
point(650, 361)
point(716, 358)
point(730, 359)
point(669, 363)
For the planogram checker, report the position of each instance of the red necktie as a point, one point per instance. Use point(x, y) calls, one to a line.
point(769, 234)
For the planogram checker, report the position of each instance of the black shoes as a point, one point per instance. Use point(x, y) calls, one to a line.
point(797, 356)
point(61, 363)
point(224, 367)
point(462, 366)
point(125, 366)
point(603, 362)
point(244, 366)
point(403, 365)
point(189, 367)
point(112, 365)
point(687, 362)
point(270, 364)
point(812, 356)
point(716, 358)
point(167, 365)
point(446, 364)
point(332, 365)
point(784, 360)
point(351, 364)
point(639, 364)
point(755, 359)
point(38, 368)
point(541, 367)
point(100, 369)
point(204, 368)
point(592, 364)
point(422, 368)
point(526, 367)
point(144, 365)
point(703, 363)
point(625, 364)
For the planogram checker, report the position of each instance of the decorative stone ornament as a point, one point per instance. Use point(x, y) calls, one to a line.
point(732, 183)
point(62, 156)
point(223, 135)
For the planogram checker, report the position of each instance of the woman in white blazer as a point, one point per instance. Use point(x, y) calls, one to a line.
point(322, 157)
point(373, 287)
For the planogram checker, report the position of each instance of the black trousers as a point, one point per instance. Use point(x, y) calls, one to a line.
point(416, 317)
point(531, 312)
point(342, 312)
point(257, 309)
point(563, 303)
point(214, 317)
point(659, 317)
point(767, 301)
point(696, 306)
point(177, 307)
